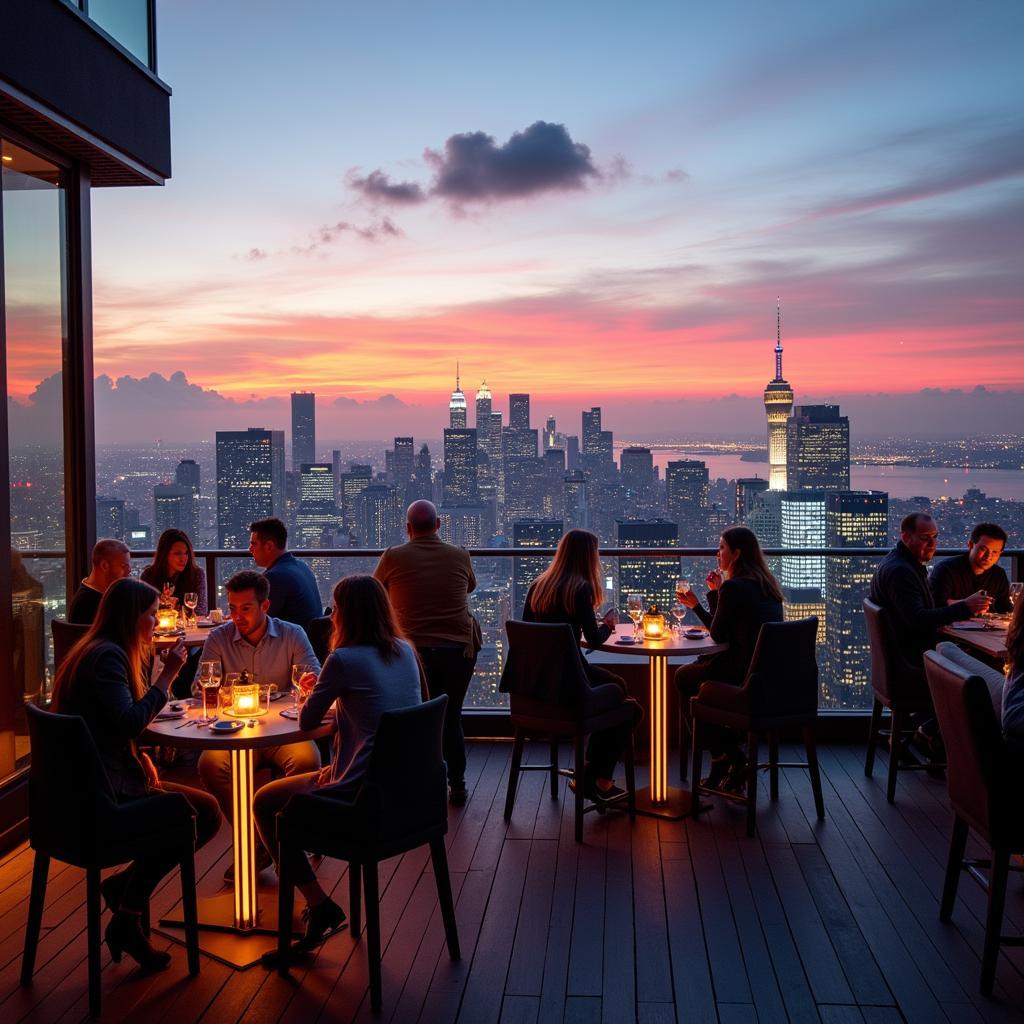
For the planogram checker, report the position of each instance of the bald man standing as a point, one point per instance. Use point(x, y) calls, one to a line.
point(428, 582)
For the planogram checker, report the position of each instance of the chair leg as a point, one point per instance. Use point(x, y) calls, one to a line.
point(684, 741)
point(554, 767)
point(876, 724)
point(579, 774)
point(187, 871)
point(954, 865)
point(696, 758)
point(355, 916)
point(439, 858)
point(285, 906)
point(92, 917)
point(370, 891)
point(773, 766)
point(144, 920)
point(752, 753)
point(629, 759)
point(513, 775)
point(895, 748)
point(994, 917)
point(811, 748)
point(36, 902)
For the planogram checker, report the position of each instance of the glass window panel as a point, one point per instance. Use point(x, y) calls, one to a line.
point(127, 21)
point(35, 318)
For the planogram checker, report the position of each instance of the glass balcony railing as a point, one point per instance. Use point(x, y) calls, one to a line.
point(130, 23)
point(828, 582)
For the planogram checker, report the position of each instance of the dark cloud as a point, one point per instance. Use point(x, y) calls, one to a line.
point(378, 187)
point(540, 158)
point(327, 234)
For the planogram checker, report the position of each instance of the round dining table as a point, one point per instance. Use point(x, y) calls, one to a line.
point(238, 913)
point(659, 799)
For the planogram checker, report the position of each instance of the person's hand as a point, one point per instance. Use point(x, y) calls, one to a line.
point(169, 597)
point(324, 777)
point(307, 681)
point(150, 769)
point(687, 597)
point(713, 579)
point(173, 659)
point(978, 602)
point(610, 619)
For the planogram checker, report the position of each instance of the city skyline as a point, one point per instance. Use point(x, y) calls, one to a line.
point(622, 218)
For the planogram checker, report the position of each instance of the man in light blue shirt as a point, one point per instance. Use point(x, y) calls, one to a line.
point(266, 648)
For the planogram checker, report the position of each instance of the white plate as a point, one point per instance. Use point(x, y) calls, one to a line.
point(627, 641)
point(225, 726)
point(167, 715)
point(695, 634)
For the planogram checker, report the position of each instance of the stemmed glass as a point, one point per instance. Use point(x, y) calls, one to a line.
point(210, 675)
point(191, 601)
point(1015, 591)
point(298, 690)
point(679, 613)
point(635, 610)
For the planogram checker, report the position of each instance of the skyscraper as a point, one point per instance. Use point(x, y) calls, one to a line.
point(687, 493)
point(575, 503)
point(250, 481)
point(655, 578)
point(174, 508)
point(352, 483)
point(531, 533)
point(817, 449)
point(747, 490)
point(457, 405)
point(187, 475)
point(803, 577)
point(488, 447)
point(402, 464)
point(519, 411)
point(422, 485)
point(597, 444)
point(110, 518)
point(303, 429)
point(636, 472)
point(460, 465)
point(550, 439)
point(778, 401)
point(317, 519)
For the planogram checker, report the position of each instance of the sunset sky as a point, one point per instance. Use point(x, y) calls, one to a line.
point(591, 202)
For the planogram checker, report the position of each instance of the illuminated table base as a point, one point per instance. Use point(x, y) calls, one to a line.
point(660, 800)
point(235, 926)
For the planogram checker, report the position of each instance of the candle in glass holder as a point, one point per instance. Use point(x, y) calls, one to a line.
point(245, 700)
point(166, 620)
point(653, 623)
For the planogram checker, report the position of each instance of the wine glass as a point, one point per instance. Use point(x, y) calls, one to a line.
point(679, 613)
point(210, 675)
point(298, 690)
point(1015, 591)
point(682, 589)
point(191, 600)
point(635, 610)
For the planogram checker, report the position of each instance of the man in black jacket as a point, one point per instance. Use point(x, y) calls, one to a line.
point(900, 586)
point(976, 569)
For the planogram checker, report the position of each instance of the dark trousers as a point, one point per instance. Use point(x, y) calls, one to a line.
point(715, 739)
point(147, 871)
point(605, 748)
point(449, 671)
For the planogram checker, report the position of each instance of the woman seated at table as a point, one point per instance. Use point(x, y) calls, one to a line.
point(370, 670)
point(102, 680)
point(742, 596)
point(569, 591)
point(175, 572)
point(1013, 688)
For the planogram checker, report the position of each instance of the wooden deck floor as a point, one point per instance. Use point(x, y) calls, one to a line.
point(833, 922)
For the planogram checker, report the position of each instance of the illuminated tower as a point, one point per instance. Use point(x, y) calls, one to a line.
point(457, 407)
point(778, 403)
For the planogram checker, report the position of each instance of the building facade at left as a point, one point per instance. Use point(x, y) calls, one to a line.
point(81, 107)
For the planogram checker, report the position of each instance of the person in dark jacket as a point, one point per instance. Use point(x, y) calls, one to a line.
point(742, 596)
point(569, 591)
point(111, 561)
point(1013, 688)
point(976, 569)
point(294, 595)
point(175, 571)
point(102, 680)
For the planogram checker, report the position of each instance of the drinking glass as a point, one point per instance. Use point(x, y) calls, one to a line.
point(191, 600)
point(682, 589)
point(210, 675)
point(299, 694)
point(230, 680)
point(679, 613)
point(635, 610)
point(1015, 590)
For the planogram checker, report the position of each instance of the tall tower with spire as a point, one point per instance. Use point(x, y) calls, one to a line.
point(778, 403)
point(457, 405)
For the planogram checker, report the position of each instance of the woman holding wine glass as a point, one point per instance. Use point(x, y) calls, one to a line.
point(742, 596)
point(175, 572)
point(569, 591)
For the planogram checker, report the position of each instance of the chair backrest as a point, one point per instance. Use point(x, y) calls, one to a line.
point(994, 679)
point(65, 636)
point(783, 675)
point(405, 790)
point(319, 633)
point(981, 789)
point(68, 785)
point(888, 666)
point(544, 663)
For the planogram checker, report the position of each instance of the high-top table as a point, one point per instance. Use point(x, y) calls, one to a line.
point(236, 917)
point(659, 799)
point(989, 642)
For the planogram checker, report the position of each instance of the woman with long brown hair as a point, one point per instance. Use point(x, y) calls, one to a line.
point(102, 680)
point(174, 570)
point(371, 669)
point(570, 591)
point(1013, 688)
point(742, 596)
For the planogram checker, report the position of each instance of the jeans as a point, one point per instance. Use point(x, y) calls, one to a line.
point(270, 799)
point(449, 671)
point(717, 740)
point(147, 871)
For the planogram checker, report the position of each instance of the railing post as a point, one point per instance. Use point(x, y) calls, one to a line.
point(210, 561)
